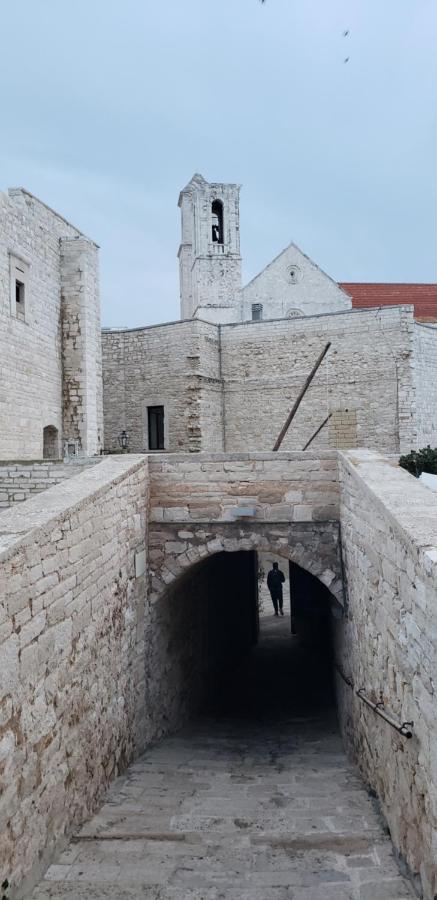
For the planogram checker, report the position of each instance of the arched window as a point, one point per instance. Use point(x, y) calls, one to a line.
point(217, 222)
point(50, 442)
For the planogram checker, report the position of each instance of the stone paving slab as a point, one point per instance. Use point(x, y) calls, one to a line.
point(207, 815)
point(235, 808)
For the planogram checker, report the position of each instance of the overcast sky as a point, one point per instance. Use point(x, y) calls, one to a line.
point(108, 108)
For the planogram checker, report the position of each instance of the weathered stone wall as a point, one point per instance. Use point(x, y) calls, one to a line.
point(210, 272)
point(231, 387)
point(292, 285)
point(30, 345)
point(367, 371)
point(175, 366)
point(81, 346)
point(19, 481)
point(388, 647)
point(72, 654)
point(197, 508)
point(199, 627)
point(425, 377)
point(278, 487)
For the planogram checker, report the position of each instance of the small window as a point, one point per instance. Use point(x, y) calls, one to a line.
point(50, 442)
point(155, 419)
point(294, 274)
point(19, 271)
point(217, 222)
point(257, 312)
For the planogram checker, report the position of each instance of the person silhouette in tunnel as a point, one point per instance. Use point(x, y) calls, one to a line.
point(275, 580)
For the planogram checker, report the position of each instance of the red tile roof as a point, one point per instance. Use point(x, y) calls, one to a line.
point(422, 296)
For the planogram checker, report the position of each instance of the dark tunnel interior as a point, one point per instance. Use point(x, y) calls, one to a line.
point(228, 658)
point(288, 668)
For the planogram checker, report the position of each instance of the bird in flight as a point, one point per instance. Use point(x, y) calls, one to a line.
point(347, 59)
point(345, 33)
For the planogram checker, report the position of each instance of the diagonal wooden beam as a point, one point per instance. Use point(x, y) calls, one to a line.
point(300, 397)
point(317, 432)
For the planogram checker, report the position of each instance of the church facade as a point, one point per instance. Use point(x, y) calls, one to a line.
point(226, 375)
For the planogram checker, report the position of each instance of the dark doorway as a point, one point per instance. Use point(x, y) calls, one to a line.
point(155, 420)
point(288, 671)
point(310, 608)
point(50, 442)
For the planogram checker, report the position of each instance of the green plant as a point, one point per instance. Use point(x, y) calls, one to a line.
point(5, 889)
point(418, 461)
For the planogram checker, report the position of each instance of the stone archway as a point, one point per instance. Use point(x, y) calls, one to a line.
point(314, 546)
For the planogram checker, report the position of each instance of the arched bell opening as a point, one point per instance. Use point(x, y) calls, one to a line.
point(217, 234)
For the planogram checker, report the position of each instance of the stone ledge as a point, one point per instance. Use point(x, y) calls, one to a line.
point(43, 509)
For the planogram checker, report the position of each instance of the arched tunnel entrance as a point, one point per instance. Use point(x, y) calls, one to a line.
point(223, 651)
point(253, 798)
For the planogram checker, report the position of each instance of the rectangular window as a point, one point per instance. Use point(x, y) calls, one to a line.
point(19, 298)
point(257, 312)
point(155, 419)
point(19, 272)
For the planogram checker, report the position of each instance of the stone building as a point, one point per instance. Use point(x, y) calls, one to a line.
point(117, 589)
point(50, 349)
point(226, 375)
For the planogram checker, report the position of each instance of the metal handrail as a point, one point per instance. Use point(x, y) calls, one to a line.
point(403, 728)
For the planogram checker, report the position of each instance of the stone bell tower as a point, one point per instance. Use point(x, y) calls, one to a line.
point(209, 254)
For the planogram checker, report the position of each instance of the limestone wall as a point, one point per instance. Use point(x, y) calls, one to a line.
point(199, 628)
point(425, 376)
point(231, 387)
point(32, 345)
point(198, 505)
point(72, 654)
point(366, 381)
point(31, 341)
point(278, 487)
point(388, 647)
point(19, 481)
point(81, 346)
point(175, 366)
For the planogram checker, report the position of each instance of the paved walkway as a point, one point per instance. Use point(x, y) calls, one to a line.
point(254, 802)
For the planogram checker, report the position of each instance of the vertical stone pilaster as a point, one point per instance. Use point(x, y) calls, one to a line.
point(81, 345)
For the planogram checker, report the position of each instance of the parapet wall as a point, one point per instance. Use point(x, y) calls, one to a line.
point(19, 481)
point(287, 487)
point(72, 654)
point(99, 657)
point(388, 647)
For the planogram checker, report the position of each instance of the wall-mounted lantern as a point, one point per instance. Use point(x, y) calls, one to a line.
point(123, 440)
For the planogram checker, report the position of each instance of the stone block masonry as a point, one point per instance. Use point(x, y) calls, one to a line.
point(51, 346)
point(229, 388)
point(19, 481)
point(197, 507)
point(82, 403)
point(175, 366)
point(366, 378)
point(101, 653)
point(425, 377)
point(72, 655)
point(388, 646)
